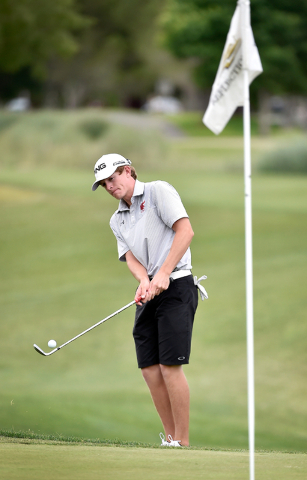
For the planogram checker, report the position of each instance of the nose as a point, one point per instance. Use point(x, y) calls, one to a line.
point(108, 185)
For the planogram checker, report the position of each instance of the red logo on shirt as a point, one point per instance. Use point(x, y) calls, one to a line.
point(142, 206)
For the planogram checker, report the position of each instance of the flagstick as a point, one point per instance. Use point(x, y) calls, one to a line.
point(245, 5)
point(228, 93)
point(249, 280)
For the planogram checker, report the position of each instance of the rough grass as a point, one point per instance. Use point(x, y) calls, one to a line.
point(75, 140)
point(191, 124)
point(290, 159)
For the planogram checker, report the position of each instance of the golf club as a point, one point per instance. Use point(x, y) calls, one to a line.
point(39, 350)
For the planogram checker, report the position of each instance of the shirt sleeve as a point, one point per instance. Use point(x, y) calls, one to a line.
point(122, 247)
point(168, 202)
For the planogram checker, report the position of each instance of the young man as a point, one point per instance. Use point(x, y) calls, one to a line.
point(153, 235)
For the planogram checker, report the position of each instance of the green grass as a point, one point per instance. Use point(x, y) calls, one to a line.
point(31, 437)
point(26, 459)
point(289, 160)
point(191, 124)
point(60, 275)
point(73, 140)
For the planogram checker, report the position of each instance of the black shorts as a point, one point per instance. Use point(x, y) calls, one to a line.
point(163, 326)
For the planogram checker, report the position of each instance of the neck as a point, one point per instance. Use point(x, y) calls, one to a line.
point(129, 194)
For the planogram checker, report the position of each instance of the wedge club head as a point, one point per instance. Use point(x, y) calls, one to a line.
point(39, 350)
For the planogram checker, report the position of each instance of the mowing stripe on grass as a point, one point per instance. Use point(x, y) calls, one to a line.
point(25, 461)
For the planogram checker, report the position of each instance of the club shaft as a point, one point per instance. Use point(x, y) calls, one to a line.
point(96, 325)
point(39, 350)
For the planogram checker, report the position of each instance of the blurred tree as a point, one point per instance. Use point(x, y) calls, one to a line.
point(21, 83)
point(32, 31)
point(113, 63)
point(78, 52)
point(198, 28)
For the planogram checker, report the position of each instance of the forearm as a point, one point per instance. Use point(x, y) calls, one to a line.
point(136, 268)
point(181, 242)
point(140, 274)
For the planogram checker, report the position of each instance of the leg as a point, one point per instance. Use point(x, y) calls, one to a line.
point(162, 336)
point(175, 324)
point(170, 393)
point(179, 397)
point(160, 397)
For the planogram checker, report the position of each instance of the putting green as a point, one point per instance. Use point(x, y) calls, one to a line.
point(27, 460)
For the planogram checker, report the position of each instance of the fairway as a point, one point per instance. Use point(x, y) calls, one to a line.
point(27, 461)
point(60, 275)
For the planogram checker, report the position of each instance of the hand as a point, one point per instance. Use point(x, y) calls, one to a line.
point(159, 283)
point(141, 295)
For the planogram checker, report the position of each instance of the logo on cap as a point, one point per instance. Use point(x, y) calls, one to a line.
point(99, 167)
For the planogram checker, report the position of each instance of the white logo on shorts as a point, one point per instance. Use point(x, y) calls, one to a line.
point(181, 358)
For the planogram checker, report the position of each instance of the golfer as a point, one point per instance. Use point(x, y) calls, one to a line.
point(153, 234)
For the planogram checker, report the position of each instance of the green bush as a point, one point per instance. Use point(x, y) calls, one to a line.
point(7, 120)
point(93, 128)
point(290, 159)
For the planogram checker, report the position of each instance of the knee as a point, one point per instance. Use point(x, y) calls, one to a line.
point(152, 374)
point(172, 371)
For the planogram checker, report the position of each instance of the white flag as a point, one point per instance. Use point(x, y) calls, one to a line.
point(227, 90)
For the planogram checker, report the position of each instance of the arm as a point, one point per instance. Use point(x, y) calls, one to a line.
point(140, 273)
point(181, 242)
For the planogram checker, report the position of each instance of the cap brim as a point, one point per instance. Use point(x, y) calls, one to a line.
point(95, 185)
point(106, 173)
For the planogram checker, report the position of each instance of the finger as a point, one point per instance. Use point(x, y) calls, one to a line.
point(141, 291)
point(137, 299)
point(154, 293)
point(156, 288)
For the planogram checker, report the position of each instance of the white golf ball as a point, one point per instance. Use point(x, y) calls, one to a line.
point(52, 344)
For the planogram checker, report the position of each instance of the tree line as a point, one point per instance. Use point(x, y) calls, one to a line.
point(74, 52)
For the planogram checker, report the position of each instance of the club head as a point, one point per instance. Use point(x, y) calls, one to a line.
point(39, 350)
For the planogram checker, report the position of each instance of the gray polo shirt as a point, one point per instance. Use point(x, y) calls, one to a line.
point(146, 227)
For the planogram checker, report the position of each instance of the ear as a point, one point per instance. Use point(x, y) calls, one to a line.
point(127, 171)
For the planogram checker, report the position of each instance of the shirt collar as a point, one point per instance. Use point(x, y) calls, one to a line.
point(138, 190)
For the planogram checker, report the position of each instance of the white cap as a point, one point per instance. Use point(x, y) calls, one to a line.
point(106, 165)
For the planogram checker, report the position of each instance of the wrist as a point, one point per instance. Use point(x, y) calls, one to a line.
point(144, 278)
point(166, 271)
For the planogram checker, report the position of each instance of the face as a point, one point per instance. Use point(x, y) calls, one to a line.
point(120, 186)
